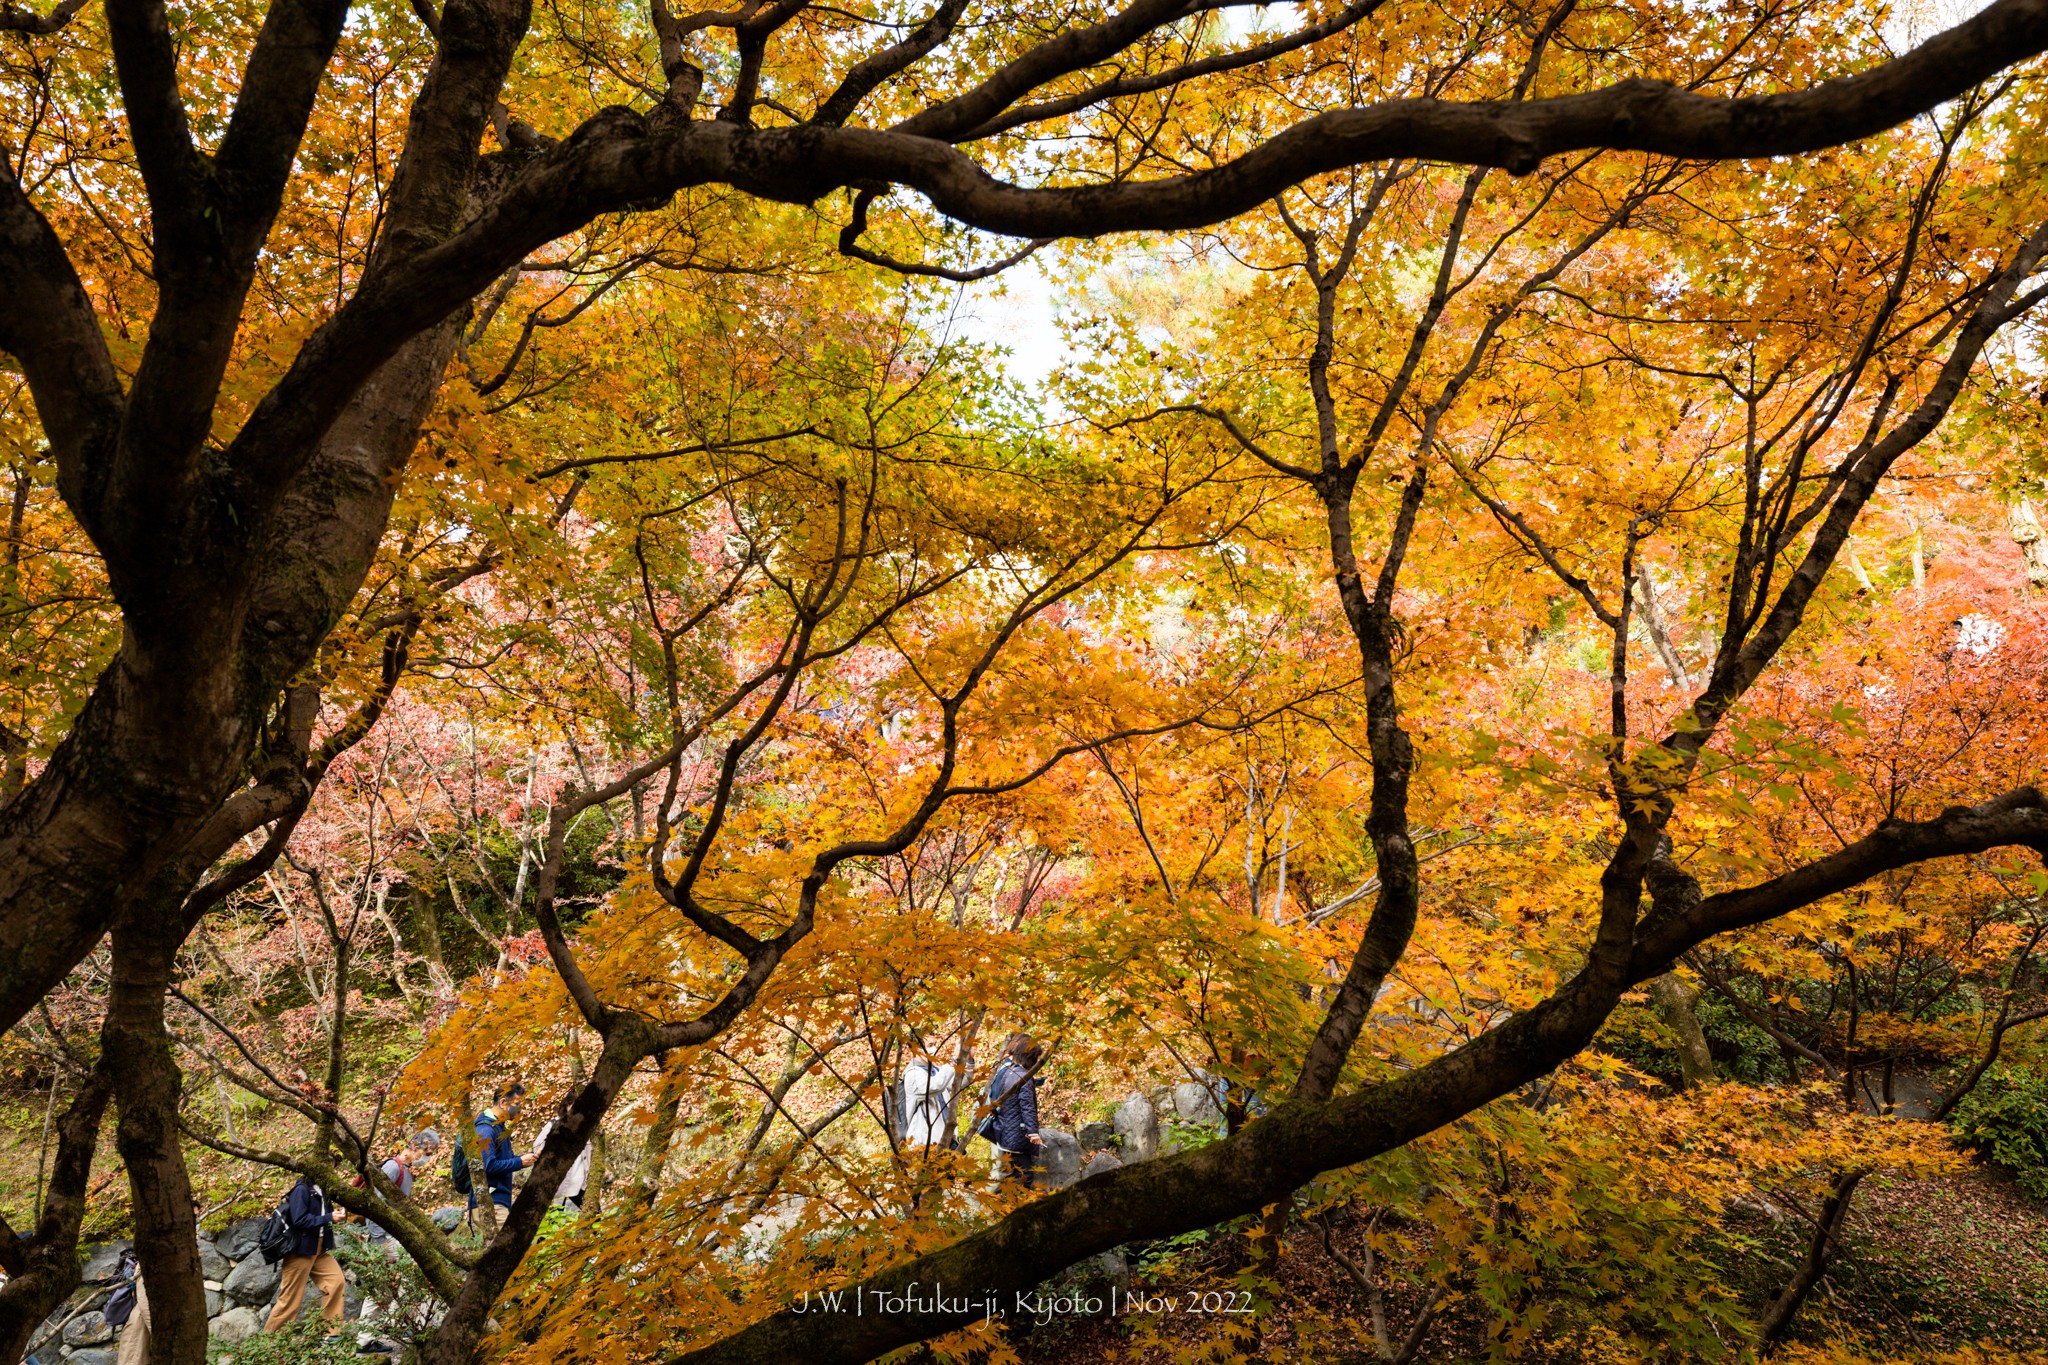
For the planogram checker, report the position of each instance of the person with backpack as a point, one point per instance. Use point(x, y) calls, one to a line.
point(128, 1312)
point(495, 1154)
point(402, 1170)
point(309, 1214)
point(1012, 1123)
point(927, 1101)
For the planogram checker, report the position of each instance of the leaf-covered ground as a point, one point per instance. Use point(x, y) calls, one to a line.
point(1943, 1263)
point(1930, 1266)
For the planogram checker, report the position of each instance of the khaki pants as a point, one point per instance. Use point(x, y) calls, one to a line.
point(324, 1271)
point(135, 1336)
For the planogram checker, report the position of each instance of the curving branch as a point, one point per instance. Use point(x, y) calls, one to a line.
point(619, 159)
point(870, 72)
point(849, 245)
point(16, 19)
point(1300, 1139)
point(1345, 18)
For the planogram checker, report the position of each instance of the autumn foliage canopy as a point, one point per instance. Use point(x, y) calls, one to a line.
point(1510, 654)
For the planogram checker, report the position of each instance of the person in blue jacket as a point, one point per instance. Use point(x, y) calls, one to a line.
point(311, 1217)
point(499, 1161)
point(1013, 1090)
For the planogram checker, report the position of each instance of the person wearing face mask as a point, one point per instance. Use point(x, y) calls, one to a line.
point(493, 1134)
point(403, 1170)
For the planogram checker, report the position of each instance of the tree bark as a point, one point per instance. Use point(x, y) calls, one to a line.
point(668, 1102)
point(147, 1085)
point(1820, 1249)
point(1675, 1002)
point(43, 1269)
point(1298, 1140)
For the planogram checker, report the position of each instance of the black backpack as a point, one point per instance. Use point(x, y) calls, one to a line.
point(277, 1237)
point(458, 1169)
point(986, 1129)
point(121, 1303)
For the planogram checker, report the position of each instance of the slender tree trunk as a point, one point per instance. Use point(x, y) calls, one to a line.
point(1820, 1249)
point(1675, 1004)
point(427, 927)
point(668, 1102)
point(454, 1341)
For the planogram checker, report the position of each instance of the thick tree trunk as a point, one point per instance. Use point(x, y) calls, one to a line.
point(137, 1047)
point(143, 781)
point(142, 798)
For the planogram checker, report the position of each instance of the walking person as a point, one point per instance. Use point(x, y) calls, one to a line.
point(403, 1170)
point(927, 1101)
point(1013, 1091)
point(310, 1215)
point(570, 1191)
point(134, 1349)
point(493, 1135)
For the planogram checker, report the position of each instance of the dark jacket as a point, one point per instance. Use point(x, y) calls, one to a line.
point(311, 1217)
point(1016, 1112)
point(500, 1162)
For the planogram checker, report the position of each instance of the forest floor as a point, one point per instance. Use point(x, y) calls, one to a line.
point(1929, 1266)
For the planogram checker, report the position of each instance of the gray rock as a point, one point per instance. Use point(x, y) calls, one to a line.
point(1099, 1162)
point(103, 1263)
point(213, 1265)
point(88, 1329)
point(1096, 1137)
point(254, 1281)
point(1059, 1159)
point(214, 1302)
point(237, 1241)
point(91, 1356)
point(1137, 1129)
point(1116, 1268)
point(237, 1324)
point(1196, 1103)
point(448, 1219)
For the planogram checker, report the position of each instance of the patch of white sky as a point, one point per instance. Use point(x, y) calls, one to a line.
point(1021, 309)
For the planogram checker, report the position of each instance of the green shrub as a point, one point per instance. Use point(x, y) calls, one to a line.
point(299, 1343)
point(2006, 1118)
point(407, 1308)
point(1742, 1051)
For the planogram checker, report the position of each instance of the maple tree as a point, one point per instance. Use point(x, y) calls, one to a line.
point(261, 278)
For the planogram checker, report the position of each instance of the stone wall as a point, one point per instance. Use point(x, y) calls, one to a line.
point(240, 1288)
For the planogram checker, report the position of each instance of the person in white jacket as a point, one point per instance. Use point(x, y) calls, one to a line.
point(927, 1118)
point(570, 1191)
